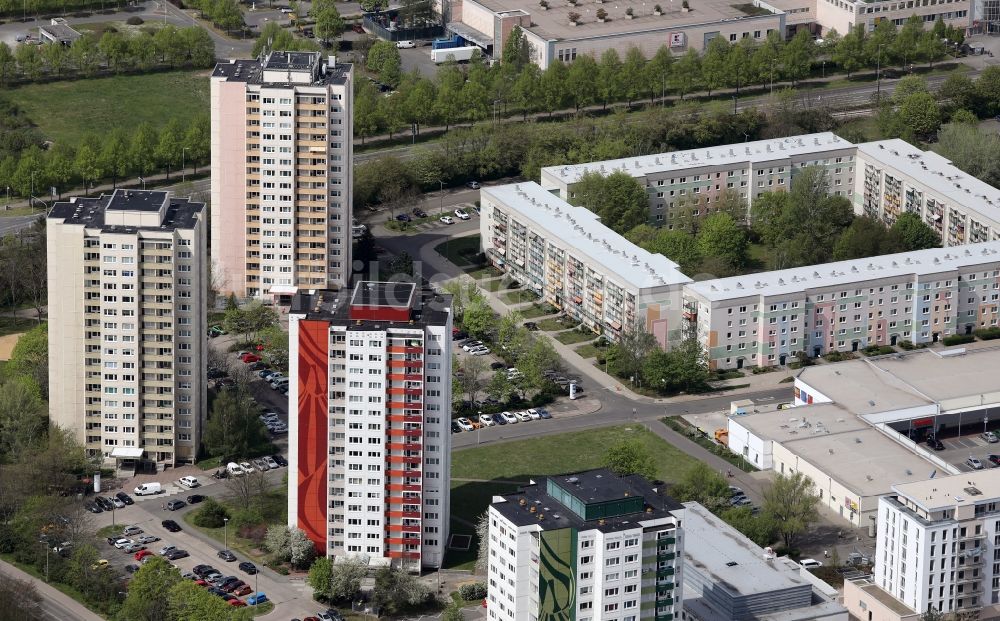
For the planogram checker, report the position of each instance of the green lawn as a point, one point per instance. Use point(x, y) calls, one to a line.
point(64, 588)
point(552, 324)
point(590, 350)
point(70, 109)
point(274, 508)
point(462, 251)
point(492, 285)
point(518, 296)
point(537, 310)
point(14, 325)
point(484, 272)
point(575, 336)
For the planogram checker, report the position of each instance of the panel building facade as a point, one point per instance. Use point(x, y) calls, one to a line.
point(127, 282)
point(282, 158)
point(369, 436)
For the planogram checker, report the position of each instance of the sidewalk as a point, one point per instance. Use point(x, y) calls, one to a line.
point(55, 603)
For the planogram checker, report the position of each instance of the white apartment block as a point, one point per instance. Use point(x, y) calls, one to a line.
point(685, 185)
point(590, 546)
point(938, 546)
point(282, 174)
point(763, 319)
point(370, 441)
point(569, 258)
point(127, 283)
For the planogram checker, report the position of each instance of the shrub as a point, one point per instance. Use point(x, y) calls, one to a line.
point(135, 20)
point(878, 350)
point(251, 516)
point(602, 14)
point(987, 334)
point(907, 345)
point(629, 11)
point(958, 339)
point(211, 514)
point(837, 356)
point(760, 370)
point(574, 17)
point(474, 591)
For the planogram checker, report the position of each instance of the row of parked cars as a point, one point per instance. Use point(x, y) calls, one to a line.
point(274, 424)
point(229, 588)
point(503, 418)
point(100, 504)
point(263, 464)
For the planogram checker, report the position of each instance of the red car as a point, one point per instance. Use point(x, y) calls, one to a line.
point(141, 554)
point(236, 602)
point(243, 590)
point(200, 582)
point(250, 358)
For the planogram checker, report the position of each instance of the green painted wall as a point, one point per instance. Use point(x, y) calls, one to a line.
point(557, 575)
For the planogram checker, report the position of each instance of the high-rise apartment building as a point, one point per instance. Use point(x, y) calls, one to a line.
point(590, 546)
point(282, 150)
point(369, 433)
point(127, 282)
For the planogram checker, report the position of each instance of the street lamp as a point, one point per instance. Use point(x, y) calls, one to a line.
point(878, 73)
point(225, 531)
point(441, 197)
point(33, 182)
point(734, 105)
point(774, 60)
point(183, 151)
point(824, 69)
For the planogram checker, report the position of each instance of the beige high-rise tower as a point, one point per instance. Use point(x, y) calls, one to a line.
point(127, 284)
point(282, 152)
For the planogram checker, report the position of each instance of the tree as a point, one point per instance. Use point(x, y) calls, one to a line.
point(932, 614)
point(625, 357)
point(686, 73)
point(850, 51)
point(703, 485)
point(633, 86)
point(453, 613)
point(976, 152)
point(290, 544)
point(630, 457)
point(552, 87)
point(909, 233)
point(790, 502)
point(920, 114)
point(328, 23)
point(189, 602)
point(143, 148)
point(227, 15)
point(865, 237)
point(960, 92)
point(471, 380)
point(905, 45)
point(477, 318)
point(320, 577)
point(234, 429)
point(516, 52)
point(168, 148)
point(148, 591)
point(211, 514)
point(19, 599)
point(500, 386)
point(483, 538)
point(346, 576)
point(720, 236)
point(759, 528)
point(7, 63)
point(797, 56)
point(87, 164)
point(23, 417)
point(115, 154)
point(30, 359)
point(396, 591)
point(85, 55)
point(526, 88)
point(581, 81)
point(715, 64)
point(618, 199)
point(609, 77)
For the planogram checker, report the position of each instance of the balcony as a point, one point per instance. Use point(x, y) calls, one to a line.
point(405, 418)
point(403, 514)
point(403, 555)
point(409, 433)
point(402, 487)
point(403, 459)
point(402, 541)
point(403, 528)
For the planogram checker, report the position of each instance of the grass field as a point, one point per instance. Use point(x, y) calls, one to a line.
point(519, 296)
point(274, 508)
point(462, 251)
point(590, 350)
point(66, 111)
point(537, 310)
point(492, 285)
point(575, 336)
point(553, 323)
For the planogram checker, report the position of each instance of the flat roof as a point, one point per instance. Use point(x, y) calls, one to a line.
point(581, 231)
point(601, 485)
point(180, 213)
point(879, 594)
point(554, 23)
point(383, 294)
point(430, 309)
point(727, 154)
point(951, 491)
point(251, 71)
point(137, 200)
point(938, 174)
point(801, 422)
point(919, 377)
point(847, 273)
point(730, 560)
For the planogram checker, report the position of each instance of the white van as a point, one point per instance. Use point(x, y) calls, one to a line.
point(234, 469)
point(189, 482)
point(147, 489)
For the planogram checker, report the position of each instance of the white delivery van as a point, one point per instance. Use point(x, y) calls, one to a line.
point(234, 469)
point(147, 489)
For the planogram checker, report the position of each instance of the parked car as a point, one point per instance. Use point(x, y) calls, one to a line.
point(524, 417)
point(248, 567)
point(330, 615)
point(122, 543)
point(471, 345)
point(273, 465)
point(194, 499)
point(420, 213)
point(247, 468)
point(455, 428)
point(234, 469)
point(472, 185)
point(93, 507)
point(486, 420)
point(148, 539)
point(165, 549)
point(403, 218)
point(171, 526)
point(534, 414)
point(117, 503)
point(189, 481)
point(281, 460)
point(994, 459)
point(405, 45)
point(934, 443)
point(531, 326)
point(122, 496)
point(810, 563)
point(544, 413)
point(447, 219)
point(465, 424)
point(509, 418)
point(243, 590)
point(989, 437)
point(461, 214)
point(131, 569)
point(177, 554)
point(226, 555)
point(174, 505)
point(141, 554)
point(257, 598)
point(479, 351)
point(128, 531)
point(974, 463)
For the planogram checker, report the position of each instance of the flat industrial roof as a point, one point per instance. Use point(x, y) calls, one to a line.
point(919, 377)
point(938, 174)
point(554, 23)
point(180, 213)
point(848, 273)
point(731, 561)
point(387, 294)
point(580, 230)
point(749, 152)
point(966, 488)
point(801, 422)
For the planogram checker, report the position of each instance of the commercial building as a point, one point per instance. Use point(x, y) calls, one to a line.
point(895, 177)
point(572, 261)
point(127, 280)
point(685, 185)
point(282, 158)
point(937, 548)
point(590, 546)
point(369, 438)
point(58, 31)
point(727, 576)
point(764, 319)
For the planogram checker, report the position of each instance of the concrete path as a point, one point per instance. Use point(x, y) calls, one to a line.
point(55, 604)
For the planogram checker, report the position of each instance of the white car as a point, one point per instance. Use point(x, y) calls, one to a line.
point(810, 563)
point(534, 414)
point(524, 417)
point(247, 468)
point(358, 230)
point(132, 530)
point(166, 549)
point(487, 420)
point(465, 424)
point(447, 219)
point(479, 351)
point(461, 214)
point(472, 345)
point(189, 482)
point(405, 45)
point(510, 418)
point(990, 437)
point(121, 543)
point(273, 465)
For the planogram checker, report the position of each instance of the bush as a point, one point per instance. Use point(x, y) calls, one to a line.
point(211, 514)
point(760, 370)
point(958, 339)
point(987, 334)
point(472, 592)
point(837, 356)
point(135, 20)
point(250, 516)
point(907, 345)
point(878, 350)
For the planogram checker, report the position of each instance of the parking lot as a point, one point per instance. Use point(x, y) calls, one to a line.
point(959, 449)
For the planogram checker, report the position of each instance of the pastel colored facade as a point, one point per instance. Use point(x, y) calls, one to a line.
point(127, 360)
point(369, 438)
point(764, 319)
point(894, 177)
point(695, 179)
point(588, 546)
point(577, 264)
point(282, 169)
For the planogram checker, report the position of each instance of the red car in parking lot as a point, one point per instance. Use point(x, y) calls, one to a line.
point(141, 554)
point(250, 358)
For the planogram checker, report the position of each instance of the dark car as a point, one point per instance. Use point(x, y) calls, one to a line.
point(93, 507)
point(214, 373)
point(122, 496)
point(531, 326)
point(420, 213)
point(499, 419)
point(455, 428)
point(994, 459)
point(194, 499)
point(131, 568)
point(173, 555)
point(216, 591)
point(104, 503)
point(460, 335)
point(201, 570)
point(248, 567)
point(171, 525)
point(226, 555)
point(497, 365)
point(934, 443)
point(174, 505)
point(544, 413)
point(281, 460)
point(403, 217)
